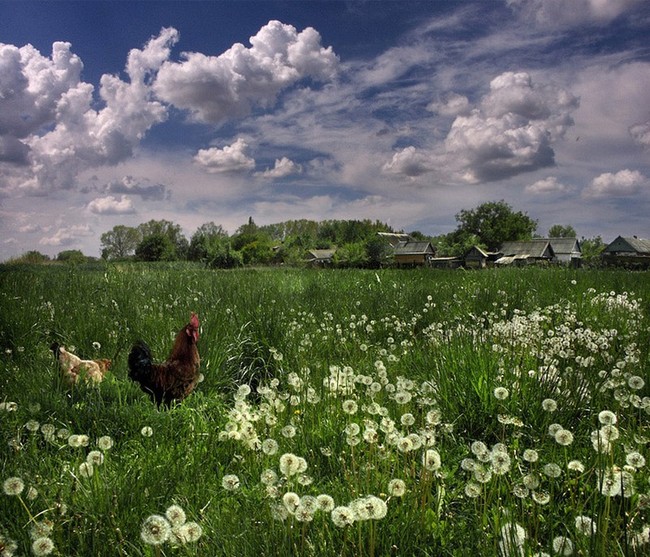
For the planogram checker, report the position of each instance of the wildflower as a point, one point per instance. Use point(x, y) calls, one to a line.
point(8, 406)
point(288, 431)
point(396, 487)
point(350, 406)
point(269, 477)
point(403, 397)
point(146, 431)
point(41, 529)
point(33, 426)
point(563, 437)
point(433, 417)
point(585, 525)
point(562, 545)
point(606, 417)
point(553, 429)
point(303, 514)
point(189, 532)
point(468, 464)
point(95, 458)
point(105, 442)
point(342, 516)
point(176, 515)
point(48, 431)
point(431, 460)
point(531, 481)
point(369, 508)
point(155, 530)
point(42, 546)
point(500, 462)
point(270, 446)
point(291, 501)
point(549, 405)
point(96, 345)
point(407, 419)
point(635, 459)
point(635, 382)
point(230, 482)
point(513, 537)
point(32, 493)
point(13, 486)
point(541, 497)
point(86, 470)
point(576, 466)
point(289, 464)
point(325, 502)
point(482, 475)
point(552, 470)
point(531, 455)
point(520, 490)
point(472, 490)
point(501, 393)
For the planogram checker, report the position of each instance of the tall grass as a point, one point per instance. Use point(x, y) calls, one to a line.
point(502, 412)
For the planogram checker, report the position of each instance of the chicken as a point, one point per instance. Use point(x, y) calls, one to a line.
point(73, 368)
point(175, 378)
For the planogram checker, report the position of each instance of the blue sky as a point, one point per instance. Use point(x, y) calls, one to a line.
point(407, 112)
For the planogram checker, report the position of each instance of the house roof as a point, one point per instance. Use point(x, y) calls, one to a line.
point(413, 248)
point(565, 245)
point(633, 244)
point(536, 248)
point(320, 253)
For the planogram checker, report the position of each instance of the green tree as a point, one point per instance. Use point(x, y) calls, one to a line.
point(561, 231)
point(351, 255)
point(493, 223)
point(31, 257)
point(73, 256)
point(222, 256)
point(156, 247)
point(120, 242)
point(169, 229)
point(591, 249)
point(378, 252)
point(205, 241)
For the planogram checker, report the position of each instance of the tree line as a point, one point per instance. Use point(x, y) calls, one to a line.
point(356, 241)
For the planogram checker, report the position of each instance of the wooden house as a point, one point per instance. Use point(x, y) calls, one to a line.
point(414, 253)
point(394, 238)
point(629, 252)
point(476, 258)
point(567, 251)
point(320, 257)
point(526, 252)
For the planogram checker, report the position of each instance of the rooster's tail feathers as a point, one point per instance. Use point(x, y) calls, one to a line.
point(140, 362)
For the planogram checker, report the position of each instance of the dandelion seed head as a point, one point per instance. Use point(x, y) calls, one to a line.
point(635, 459)
point(607, 417)
point(86, 470)
point(291, 500)
point(96, 458)
point(176, 515)
point(562, 545)
point(155, 530)
point(576, 466)
point(146, 431)
point(13, 486)
point(230, 482)
point(472, 490)
point(530, 455)
point(501, 393)
point(325, 502)
point(342, 516)
point(585, 525)
point(42, 546)
point(563, 437)
point(397, 487)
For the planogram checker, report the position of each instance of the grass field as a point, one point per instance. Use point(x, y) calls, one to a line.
point(500, 412)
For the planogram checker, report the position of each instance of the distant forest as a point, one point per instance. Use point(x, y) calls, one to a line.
point(356, 242)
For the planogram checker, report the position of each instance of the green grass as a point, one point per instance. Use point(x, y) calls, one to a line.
point(419, 352)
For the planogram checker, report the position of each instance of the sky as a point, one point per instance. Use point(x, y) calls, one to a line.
point(407, 112)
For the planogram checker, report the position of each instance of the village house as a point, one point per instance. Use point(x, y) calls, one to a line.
point(629, 252)
point(567, 251)
point(538, 250)
point(477, 258)
point(320, 257)
point(414, 253)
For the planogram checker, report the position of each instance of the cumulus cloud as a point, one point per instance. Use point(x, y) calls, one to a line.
point(132, 186)
point(230, 159)
point(111, 206)
point(641, 134)
point(547, 185)
point(408, 162)
point(216, 88)
point(67, 235)
point(450, 104)
point(283, 167)
point(512, 130)
point(623, 183)
point(571, 12)
point(48, 120)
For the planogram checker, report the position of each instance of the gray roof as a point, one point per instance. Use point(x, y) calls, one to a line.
point(565, 245)
point(318, 254)
point(413, 248)
point(633, 244)
point(537, 248)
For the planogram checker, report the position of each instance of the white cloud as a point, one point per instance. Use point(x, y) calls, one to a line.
point(67, 235)
point(641, 134)
point(111, 206)
point(512, 130)
point(571, 12)
point(216, 88)
point(230, 159)
point(623, 183)
point(408, 162)
point(450, 104)
point(142, 187)
point(48, 120)
point(547, 186)
point(283, 167)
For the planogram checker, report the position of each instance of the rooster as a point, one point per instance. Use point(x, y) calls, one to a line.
point(73, 367)
point(175, 378)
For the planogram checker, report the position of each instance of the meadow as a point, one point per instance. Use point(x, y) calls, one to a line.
point(356, 413)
